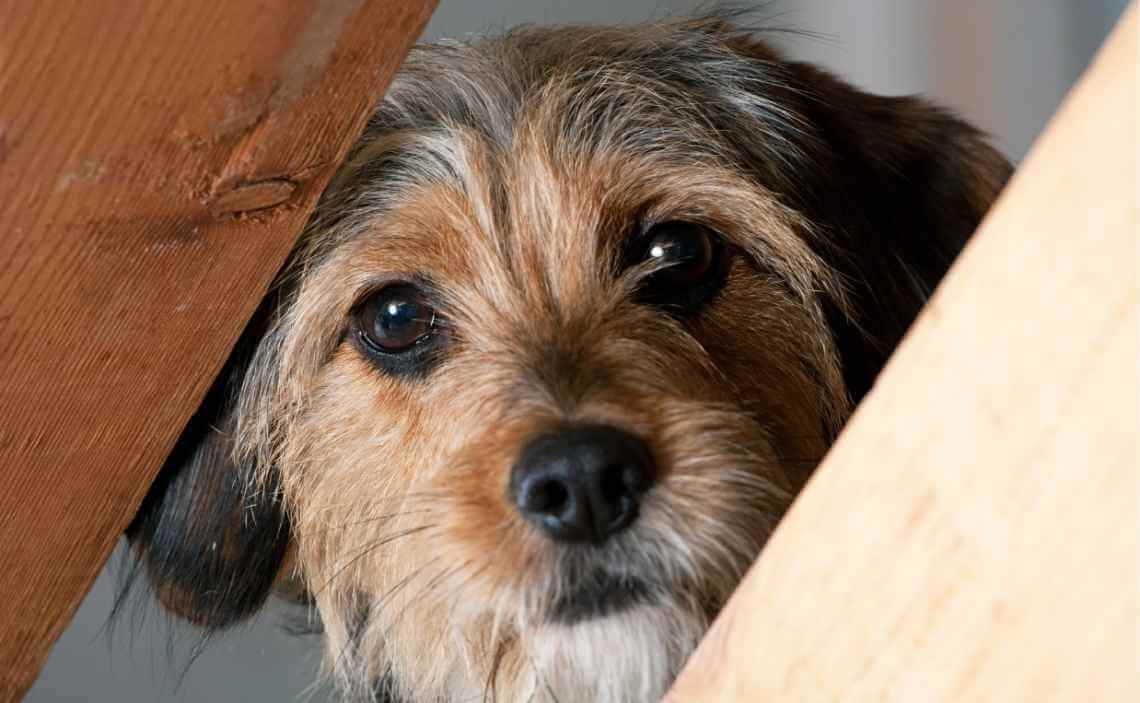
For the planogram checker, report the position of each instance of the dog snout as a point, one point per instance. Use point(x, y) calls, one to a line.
point(582, 484)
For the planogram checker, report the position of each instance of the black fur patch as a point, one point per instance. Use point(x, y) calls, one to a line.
point(210, 547)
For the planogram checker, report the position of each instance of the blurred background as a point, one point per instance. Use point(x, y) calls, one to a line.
point(1004, 65)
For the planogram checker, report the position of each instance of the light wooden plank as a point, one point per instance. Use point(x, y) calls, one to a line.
point(157, 160)
point(973, 535)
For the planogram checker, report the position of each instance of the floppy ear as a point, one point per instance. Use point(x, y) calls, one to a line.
point(903, 186)
point(211, 545)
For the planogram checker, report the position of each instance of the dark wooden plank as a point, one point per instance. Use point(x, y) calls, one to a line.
point(157, 160)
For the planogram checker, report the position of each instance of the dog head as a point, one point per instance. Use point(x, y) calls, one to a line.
point(568, 332)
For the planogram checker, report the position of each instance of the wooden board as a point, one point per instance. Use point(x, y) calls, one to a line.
point(974, 533)
point(157, 160)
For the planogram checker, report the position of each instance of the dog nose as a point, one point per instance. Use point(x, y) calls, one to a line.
point(582, 484)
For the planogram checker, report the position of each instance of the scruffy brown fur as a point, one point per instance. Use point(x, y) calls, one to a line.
point(510, 177)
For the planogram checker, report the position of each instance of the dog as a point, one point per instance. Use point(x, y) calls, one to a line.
point(566, 334)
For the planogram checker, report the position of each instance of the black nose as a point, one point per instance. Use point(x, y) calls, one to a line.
point(582, 484)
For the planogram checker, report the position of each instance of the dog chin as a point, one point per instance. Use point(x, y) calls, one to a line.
point(611, 655)
point(600, 595)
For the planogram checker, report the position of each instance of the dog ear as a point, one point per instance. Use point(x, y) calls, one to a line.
point(211, 542)
point(901, 187)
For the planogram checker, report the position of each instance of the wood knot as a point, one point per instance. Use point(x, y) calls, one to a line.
point(251, 196)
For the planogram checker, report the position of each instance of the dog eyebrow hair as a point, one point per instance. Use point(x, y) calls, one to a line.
point(653, 94)
point(679, 94)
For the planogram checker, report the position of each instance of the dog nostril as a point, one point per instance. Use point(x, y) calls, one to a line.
point(583, 483)
point(615, 483)
point(546, 497)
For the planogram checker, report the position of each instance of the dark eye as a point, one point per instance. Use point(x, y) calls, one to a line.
point(688, 261)
point(396, 323)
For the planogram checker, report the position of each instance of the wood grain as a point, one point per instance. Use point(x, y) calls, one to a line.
point(973, 535)
point(157, 160)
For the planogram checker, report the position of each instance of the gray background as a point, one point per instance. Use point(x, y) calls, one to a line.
point(1003, 64)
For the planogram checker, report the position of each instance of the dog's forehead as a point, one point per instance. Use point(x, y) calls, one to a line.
point(532, 159)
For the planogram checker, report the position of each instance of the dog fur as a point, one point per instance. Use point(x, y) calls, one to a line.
point(508, 178)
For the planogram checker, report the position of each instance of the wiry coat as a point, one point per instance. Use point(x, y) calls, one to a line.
point(508, 177)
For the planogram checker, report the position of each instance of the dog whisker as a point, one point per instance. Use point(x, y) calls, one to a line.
point(370, 549)
point(372, 520)
point(421, 594)
point(408, 497)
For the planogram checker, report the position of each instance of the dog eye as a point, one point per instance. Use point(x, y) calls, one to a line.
point(688, 264)
point(395, 319)
point(684, 250)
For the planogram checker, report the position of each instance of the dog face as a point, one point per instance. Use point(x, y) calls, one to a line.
point(566, 335)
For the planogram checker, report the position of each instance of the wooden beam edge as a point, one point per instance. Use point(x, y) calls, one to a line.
point(973, 533)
